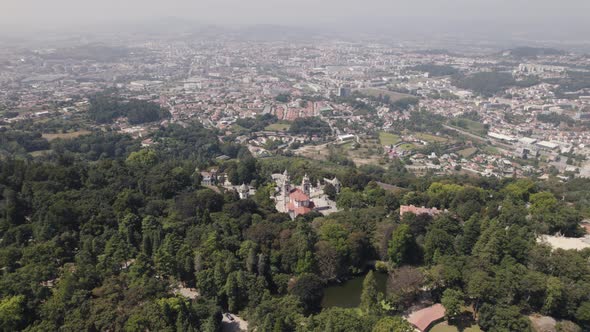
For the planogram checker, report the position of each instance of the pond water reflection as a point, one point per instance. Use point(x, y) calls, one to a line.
point(348, 293)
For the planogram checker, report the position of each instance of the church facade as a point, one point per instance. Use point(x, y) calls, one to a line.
point(301, 199)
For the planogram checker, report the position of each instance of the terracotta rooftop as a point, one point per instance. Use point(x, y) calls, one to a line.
point(298, 210)
point(298, 195)
point(423, 319)
point(417, 210)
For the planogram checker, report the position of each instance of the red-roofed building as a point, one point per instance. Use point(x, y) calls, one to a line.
point(424, 319)
point(299, 203)
point(300, 200)
point(418, 210)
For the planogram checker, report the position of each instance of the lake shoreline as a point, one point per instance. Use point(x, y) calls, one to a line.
point(347, 293)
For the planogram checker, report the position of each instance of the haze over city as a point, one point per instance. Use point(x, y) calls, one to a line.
point(505, 19)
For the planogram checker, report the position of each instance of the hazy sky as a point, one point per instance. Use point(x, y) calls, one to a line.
point(39, 14)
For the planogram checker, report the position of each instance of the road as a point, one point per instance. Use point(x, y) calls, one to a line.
point(503, 148)
point(466, 133)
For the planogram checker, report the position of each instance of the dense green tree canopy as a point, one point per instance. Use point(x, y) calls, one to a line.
point(100, 234)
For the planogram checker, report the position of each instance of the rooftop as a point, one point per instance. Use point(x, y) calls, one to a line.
point(424, 318)
point(417, 210)
point(298, 195)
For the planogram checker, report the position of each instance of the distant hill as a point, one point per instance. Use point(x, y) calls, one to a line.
point(436, 70)
point(96, 52)
point(434, 52)
point(273, 32)
point(530, 52)
point(489, 83)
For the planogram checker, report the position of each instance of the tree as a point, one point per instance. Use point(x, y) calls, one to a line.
point(402, 246)
point(232, 292)
point(349, 199)
point(436, 243)
point(305, 264)
point(370, 295)
point(471, 232)
point(251, 260)
point(11, 312)
point(452, 300)
point(567, 326)
point(327, 260)
point(545, 209)
point(142, 159)
point(151, 230)
point(283, 97)
point(286, 309)
point(479, 287)
point(278, 327)
point(392, 324)
point(583, 314)
point(310, 126)
point(340, 319)
point(330, 191)
point(554, 295)
point(390, 201)
point(403, 285)
point(262, 265)
point(309, 289)
point(503, 318)
point(520, 190)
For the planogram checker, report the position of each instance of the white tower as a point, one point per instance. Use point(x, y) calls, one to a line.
point(306, 185)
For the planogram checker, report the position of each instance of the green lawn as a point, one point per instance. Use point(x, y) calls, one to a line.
point(465, 153)
point(347, 146)
point(471, 126)
point(237, 128)
point(491, 150)
point(388, 138)
point(278, 127)
point(407, 146)
point(430, 138)
point(463, 323)
point(70, 135)
point(444, 327)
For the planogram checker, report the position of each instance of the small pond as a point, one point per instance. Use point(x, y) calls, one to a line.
point(348, 293)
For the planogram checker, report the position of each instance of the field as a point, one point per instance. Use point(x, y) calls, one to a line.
point(70, 135)
point(236, 128)
point(393, 96)
point(465, 153)
point(278, 127)
point(474, 127)
point(346, 146)
point(430, 138)
point(407, 147)
point(369, 152)
point(491, 150)
point(317, 152)
point(445, 327)
point(388, 138)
